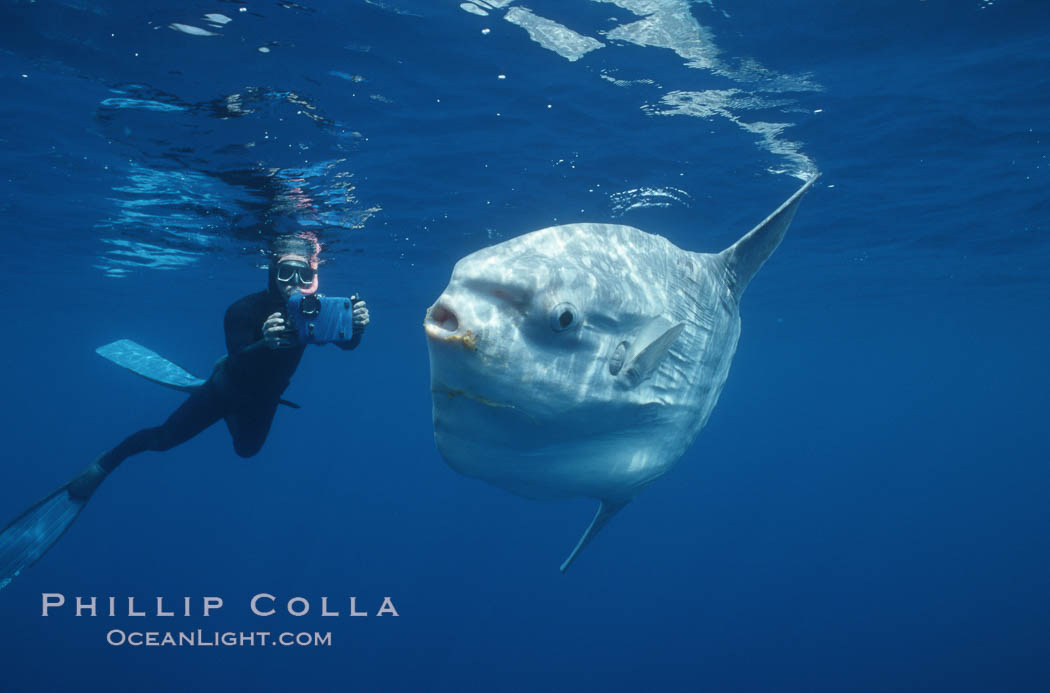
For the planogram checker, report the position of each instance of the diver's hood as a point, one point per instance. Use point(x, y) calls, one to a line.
point(300, 247)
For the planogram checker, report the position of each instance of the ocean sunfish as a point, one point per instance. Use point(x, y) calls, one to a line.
point(583, 360)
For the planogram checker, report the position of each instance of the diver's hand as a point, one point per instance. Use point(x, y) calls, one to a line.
point(360, 314)
point(273, 331)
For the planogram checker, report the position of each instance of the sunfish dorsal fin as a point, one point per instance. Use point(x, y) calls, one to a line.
point(744, 258)
point(652, 345)
point(605, 511)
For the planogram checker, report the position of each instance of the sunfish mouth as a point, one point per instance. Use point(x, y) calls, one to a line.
point(442, 325)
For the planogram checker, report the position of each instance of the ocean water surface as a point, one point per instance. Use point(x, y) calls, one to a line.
point(867, 507)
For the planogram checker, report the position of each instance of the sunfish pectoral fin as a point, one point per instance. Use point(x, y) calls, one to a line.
point(149, 364)
point(653, 344)
point(605, 511)
point(744, 258)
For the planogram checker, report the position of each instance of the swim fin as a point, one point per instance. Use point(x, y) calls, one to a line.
point(28, 537)
point(154, 367)
point(149, 364)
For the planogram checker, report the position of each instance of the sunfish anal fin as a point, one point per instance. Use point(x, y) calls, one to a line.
point(605, 511)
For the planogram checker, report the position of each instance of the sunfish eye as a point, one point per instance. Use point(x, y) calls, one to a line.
point(563, 317)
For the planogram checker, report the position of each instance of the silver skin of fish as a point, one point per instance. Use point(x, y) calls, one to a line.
point(584, 359)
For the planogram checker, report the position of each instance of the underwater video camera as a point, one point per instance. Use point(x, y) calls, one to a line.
point(320, 319)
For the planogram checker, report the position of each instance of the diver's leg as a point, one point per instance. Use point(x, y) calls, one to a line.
point(203, 408)
point(249, 425)
point(198, 412)
point(26, 538)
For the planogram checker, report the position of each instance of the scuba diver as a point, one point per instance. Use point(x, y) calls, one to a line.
point(244, 389)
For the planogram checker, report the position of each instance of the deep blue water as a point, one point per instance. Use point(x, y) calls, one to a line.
point(867, 507)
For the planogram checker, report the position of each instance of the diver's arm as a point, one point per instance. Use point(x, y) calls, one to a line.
point(241, 331)
point(236, 324)
point(275, 332)
point(254, 348)
point(352, 344)
point(361, 320)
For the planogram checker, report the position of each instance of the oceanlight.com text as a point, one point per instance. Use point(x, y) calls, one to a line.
point(202, 638)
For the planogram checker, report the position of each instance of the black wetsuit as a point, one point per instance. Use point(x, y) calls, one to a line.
point(244, 388)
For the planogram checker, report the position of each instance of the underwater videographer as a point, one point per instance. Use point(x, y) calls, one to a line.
point(266, 335)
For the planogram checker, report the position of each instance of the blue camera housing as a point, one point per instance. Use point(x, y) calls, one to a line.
point(321, 319)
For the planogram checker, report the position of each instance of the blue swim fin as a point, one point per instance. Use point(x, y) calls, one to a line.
point(149, 364)
point(154, 367)
point(28, 537)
